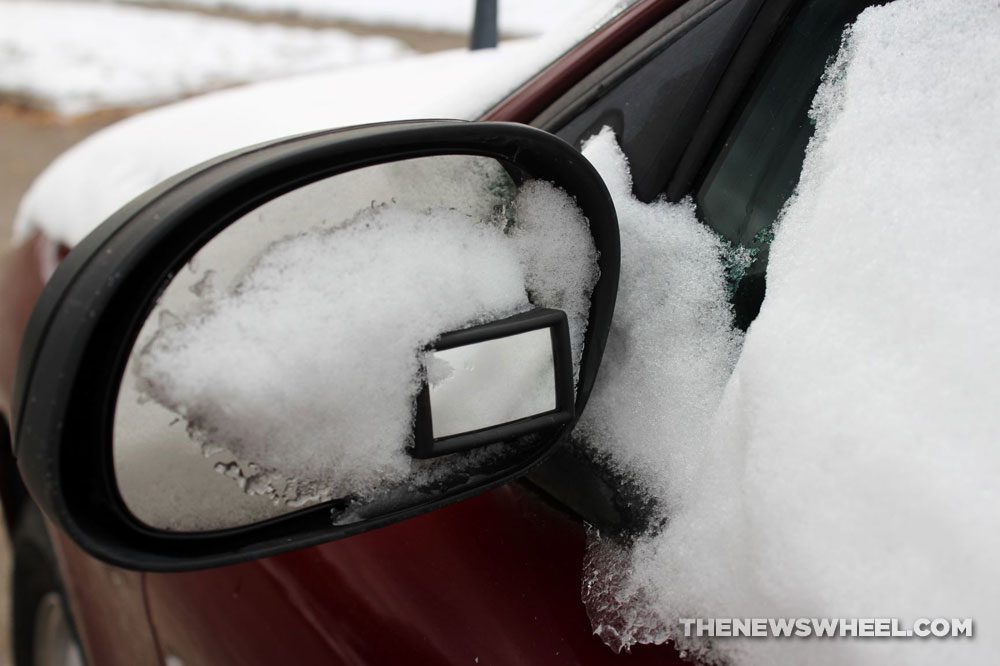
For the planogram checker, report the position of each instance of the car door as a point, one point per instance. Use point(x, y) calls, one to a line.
point(712, 102)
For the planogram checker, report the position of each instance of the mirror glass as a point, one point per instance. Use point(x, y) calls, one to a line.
point(490, 383)
point(280, 367)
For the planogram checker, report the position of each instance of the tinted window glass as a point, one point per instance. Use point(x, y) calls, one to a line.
point(752, 172)
point(757, 166)
point(655, 109)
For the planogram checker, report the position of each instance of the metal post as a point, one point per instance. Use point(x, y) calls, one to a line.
point(484, 25)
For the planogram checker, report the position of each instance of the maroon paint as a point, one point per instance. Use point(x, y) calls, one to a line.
point(107, 603)
point(547, 86)
point(496, 577)
point(20, 284)
point(108, 608)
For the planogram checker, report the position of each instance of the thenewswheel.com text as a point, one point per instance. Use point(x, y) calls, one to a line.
point(808, 627)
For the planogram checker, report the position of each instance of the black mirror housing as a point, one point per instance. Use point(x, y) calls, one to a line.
point(79, 336)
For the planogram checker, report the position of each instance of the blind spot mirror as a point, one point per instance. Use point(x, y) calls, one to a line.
point(495, 381)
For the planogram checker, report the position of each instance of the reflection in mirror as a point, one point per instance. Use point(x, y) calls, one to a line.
point(281, 366)
point(493, 382)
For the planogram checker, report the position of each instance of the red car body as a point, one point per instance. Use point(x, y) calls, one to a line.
point(491, 580)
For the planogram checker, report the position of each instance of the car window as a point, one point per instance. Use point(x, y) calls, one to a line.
point(653, 106)
point(752, 169)
point(757, 165)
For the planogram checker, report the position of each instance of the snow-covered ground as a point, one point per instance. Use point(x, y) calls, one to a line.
point(516, 17)
point(75, 57)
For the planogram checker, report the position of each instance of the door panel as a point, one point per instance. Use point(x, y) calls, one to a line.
point(107, 606)
point(494, 579)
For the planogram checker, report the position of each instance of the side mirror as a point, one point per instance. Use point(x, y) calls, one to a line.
point(315, 337)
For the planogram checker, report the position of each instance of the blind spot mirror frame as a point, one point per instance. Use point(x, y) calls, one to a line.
point(427, 445)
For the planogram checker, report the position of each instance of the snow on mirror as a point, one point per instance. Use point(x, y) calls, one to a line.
point(282, 366)
point(490, 383)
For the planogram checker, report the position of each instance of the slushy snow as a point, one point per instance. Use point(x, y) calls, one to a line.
point(74, 57)
point(850, 467)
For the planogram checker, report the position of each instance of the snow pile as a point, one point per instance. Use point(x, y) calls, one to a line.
point(305, 367)
point(75, 57)
point(324, 383)
point(672, 345)
point(851, 467)
point(516, 17)
point(558, 261)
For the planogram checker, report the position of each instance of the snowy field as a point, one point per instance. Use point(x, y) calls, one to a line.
point(78, 57)
point(73, 57)
point(516, 17)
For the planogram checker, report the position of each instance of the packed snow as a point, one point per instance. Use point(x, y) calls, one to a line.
point(299, 358)
point(75, 57)
point(334, 395)
point(515, 17)
point(849, 469)
point(661, 374)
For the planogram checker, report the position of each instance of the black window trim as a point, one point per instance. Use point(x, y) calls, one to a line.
point(587, 489)
point(632, 58)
